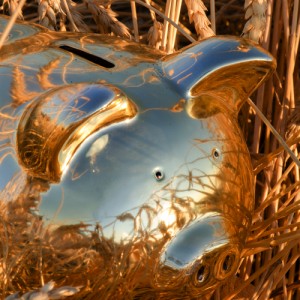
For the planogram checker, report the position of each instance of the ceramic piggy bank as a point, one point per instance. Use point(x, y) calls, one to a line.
point(143, 149)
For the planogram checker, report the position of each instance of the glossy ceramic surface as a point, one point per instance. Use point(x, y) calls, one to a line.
point(143, 148)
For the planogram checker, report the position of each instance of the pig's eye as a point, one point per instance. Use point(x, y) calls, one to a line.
point(158, 174)
point(216, 154)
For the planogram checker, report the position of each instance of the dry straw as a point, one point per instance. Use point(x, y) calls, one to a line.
point(270, 265)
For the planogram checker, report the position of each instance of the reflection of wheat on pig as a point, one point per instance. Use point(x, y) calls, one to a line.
point(270, 265)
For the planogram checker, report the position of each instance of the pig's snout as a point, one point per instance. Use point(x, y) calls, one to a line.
point(200, 256)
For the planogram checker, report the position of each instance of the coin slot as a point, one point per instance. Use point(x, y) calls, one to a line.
point(88, 56)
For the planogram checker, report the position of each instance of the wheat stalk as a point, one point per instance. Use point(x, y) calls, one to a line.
point(213, 16)
point(274, 131)
point(134, 21)
point(176, 20)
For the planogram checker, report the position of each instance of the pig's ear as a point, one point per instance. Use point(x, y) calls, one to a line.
point(53, 127)
point(218, 70)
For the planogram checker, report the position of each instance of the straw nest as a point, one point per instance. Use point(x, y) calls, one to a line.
point(270, 266)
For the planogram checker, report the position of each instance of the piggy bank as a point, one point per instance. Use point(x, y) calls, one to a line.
point(143, 149)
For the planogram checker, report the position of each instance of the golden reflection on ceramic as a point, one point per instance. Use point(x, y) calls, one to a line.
point(144, 149)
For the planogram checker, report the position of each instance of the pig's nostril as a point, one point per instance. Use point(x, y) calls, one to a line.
point(228, 262)
point(226, 265)
point(202, 274)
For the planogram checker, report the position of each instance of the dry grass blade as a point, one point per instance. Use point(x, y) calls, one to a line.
point(268, 265)
point(277, 135)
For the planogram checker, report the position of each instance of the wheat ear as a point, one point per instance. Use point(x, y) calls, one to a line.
point(196, 11)
point(256, 16)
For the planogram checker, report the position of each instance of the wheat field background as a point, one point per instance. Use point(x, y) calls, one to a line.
point(270, 267)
